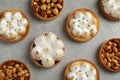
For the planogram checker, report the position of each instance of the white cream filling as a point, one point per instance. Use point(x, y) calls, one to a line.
point(49, 48)
point(13, 25)
point(83, 24)
point(82, 71)
point(112, 7)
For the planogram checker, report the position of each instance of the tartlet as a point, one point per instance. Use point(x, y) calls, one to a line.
point(47, 50)
point(81, 69)
point(47, 9)
point(14, 25)
point(14, 70)
point(82, 25)
point(110, 55)
point(111, 9)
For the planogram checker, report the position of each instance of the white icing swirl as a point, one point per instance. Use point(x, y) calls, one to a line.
point(82, 71)
point(49, 46)
point(112, 7)
point(13, 25)
point(81, 24)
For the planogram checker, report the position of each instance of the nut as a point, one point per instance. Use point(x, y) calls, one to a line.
point(43, 7)
point(59, 6)
point(48, 1)
point(55, 11)
point(52, 4)
point(48, 11)
point(115, 49)
point(43, 1)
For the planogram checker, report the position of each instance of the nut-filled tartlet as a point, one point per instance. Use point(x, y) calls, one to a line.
point(81, 70)
point(82, 25)
point(47, 50)
point(111, 9)
point(110, 55)
point(47, 9)
point(14, 25)
point(14, 70)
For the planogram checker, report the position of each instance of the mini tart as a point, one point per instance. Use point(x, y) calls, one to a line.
point(82, 25)
point(111, 9)
point(108, 54)
point(14, 70)
point(46, 14)
point(14, 25)
point(47, 50)
point(81, 70)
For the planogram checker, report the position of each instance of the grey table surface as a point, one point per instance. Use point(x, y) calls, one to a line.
point(88, 50)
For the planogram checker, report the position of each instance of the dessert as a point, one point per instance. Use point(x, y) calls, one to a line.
point(47, 50)
point(82, 25)
point(47, 9)
point(110, 55)
point(14, 25)
point(111, 9)
point(81, 70)
point(14, 70)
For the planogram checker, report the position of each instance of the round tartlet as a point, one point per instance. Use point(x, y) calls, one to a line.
point(47, 9)
point(14, 25)
point(110, 55)
point(82, 25)
point(81, 70)
point(111, 9)
point(14, 70)
point(47, 50)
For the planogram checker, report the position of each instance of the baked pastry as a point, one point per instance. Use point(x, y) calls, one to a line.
point(47, 50)
point(110, 55)
point(14, 25)
point(111, 9)
point(82, 25)
point(47, 9)
point(14, 70)
point(81, 70)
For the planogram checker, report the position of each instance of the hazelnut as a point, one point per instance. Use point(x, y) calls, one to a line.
point(43, 7)
point(52, 4)
point(48, 11)
point(55, 11)
point(48, 6)
point(43, 1)
point(59, 6)
point(17, 65)
point(48, 1)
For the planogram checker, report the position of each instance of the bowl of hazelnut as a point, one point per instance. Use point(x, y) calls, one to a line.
point(47, 9)
point(14, 70)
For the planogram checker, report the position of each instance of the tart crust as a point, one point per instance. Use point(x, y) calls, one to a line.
point(69, 30)
point(107, 15)
point(47, 19)
point(102, 61)
point(19, 62)
point(27, 27)
point(38, 63)
point(79, 60)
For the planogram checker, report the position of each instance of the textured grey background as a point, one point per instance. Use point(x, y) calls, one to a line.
point(88, 50)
